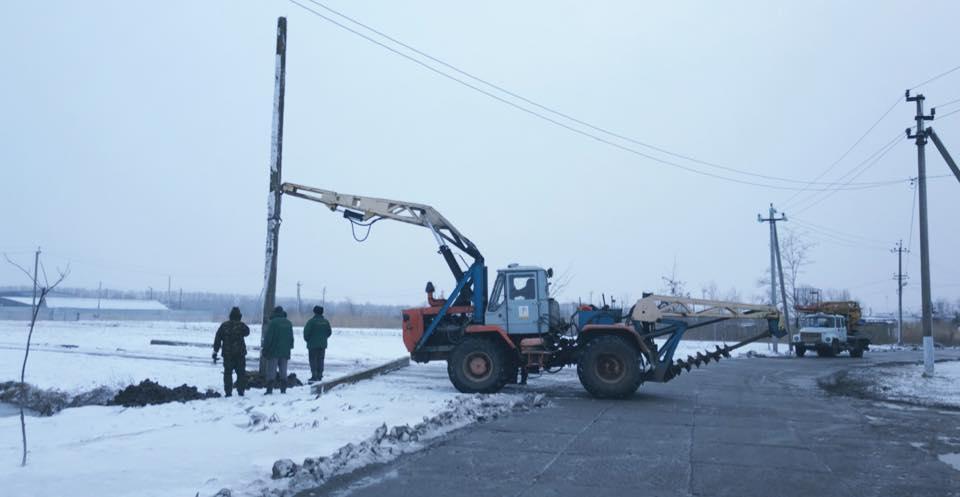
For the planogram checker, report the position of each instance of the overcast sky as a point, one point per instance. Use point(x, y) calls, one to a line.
point(136, 141)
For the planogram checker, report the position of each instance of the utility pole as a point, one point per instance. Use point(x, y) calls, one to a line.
point(783, 288)
point(99, 296)
point(169, 295)
point(323, 300)
point(36, 264)
point(273, 199)
point(900, 284)
point(299, 303)
point(180, 301)
point(927, 316)
point(773, 261)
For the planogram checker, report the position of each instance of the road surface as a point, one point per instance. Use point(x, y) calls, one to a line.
point(747, 427)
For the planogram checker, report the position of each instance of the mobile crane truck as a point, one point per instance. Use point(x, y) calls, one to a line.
point(490, 339)
point(830, 328)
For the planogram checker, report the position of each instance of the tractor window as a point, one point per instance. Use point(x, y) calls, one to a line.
point(522, 287)
point(496, 297)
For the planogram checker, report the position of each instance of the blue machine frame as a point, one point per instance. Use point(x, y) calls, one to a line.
point(475, 274)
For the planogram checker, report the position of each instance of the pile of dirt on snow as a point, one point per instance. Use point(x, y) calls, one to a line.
point(387, 444)
point(151, 393)
point(257, 380)
point(48, 402)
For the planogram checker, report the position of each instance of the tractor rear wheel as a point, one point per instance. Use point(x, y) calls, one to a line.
point(609, 367)
point(800, 350)
point(478, 365)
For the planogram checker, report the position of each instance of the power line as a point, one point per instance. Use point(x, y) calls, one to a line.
point(549, 109)
point(850, 149)
point(938, 76)
point(863, 166)
point(838, 232)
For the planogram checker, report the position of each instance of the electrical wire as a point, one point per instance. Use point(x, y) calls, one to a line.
point(863, 166)
point(913, 213)
point(552, 120)
point(841, 233)
point(552, 110)
point(931, 80)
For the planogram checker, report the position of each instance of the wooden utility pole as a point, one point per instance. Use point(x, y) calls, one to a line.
point(273, 199)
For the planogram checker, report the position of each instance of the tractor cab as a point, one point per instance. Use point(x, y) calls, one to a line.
point(520, 301)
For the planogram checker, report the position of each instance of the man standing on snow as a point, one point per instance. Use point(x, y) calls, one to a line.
point(315, 333)
point(230, 337)
point(277, 342)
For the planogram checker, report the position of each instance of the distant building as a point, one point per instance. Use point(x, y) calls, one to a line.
point(70, 308)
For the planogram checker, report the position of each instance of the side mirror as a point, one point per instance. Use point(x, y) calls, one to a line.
point(550, 272)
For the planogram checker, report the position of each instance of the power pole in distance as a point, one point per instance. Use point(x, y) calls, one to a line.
point(273, 199)
point(773, 260)
point(299, 303)
point(783, 288)
point(927, 318)
point(900, 284)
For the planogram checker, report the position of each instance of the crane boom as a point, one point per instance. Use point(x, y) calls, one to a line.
point(366, 210)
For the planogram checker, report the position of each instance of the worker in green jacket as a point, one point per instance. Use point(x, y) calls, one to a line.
point(315, 333)
point(277, 343)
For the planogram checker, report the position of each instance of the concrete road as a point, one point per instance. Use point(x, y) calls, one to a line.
point(747, 427)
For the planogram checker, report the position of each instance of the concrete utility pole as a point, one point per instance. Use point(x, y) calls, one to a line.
point(927, 317)
point(900, 284)
point(783, 288)
point(99, 295)
point(274, 197)
point(773, 261)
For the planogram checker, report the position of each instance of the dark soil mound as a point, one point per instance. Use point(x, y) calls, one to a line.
point(150, 393)
point(256, 380)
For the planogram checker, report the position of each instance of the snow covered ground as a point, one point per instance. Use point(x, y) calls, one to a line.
point(203, 446)
point(80, 355)
point(907, 384)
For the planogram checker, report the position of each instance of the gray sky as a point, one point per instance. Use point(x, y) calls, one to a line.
point(137, 139)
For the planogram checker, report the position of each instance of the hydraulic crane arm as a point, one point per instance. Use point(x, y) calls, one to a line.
point(365, 211)
point(653, 308)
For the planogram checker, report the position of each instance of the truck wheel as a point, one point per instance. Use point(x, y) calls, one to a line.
point(478, 365)
point(800, 350)
point(609, 367)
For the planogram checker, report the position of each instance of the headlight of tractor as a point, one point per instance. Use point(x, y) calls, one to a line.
point(827, 339)
point(796, 338)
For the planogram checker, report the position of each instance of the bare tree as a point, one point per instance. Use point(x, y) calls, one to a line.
point(38, 300)
point(795, 253)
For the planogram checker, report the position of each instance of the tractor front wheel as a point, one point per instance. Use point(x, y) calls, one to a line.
point(478, 365)
point(800, 350)
point(609, 367)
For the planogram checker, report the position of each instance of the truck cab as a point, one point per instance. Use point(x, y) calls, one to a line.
point(827, 334)
point(520, 301)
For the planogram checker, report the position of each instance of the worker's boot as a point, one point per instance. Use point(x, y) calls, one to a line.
point(240, 392)
point(269, 390)
point(283, 386)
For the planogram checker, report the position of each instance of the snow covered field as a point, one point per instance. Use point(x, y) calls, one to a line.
point(80, 355)
point(203, 446)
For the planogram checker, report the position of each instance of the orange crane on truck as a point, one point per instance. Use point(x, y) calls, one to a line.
point(490, 338)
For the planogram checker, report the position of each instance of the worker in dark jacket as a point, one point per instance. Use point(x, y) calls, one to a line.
point(315, 333)
point(229, 338)
point(277, 342)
